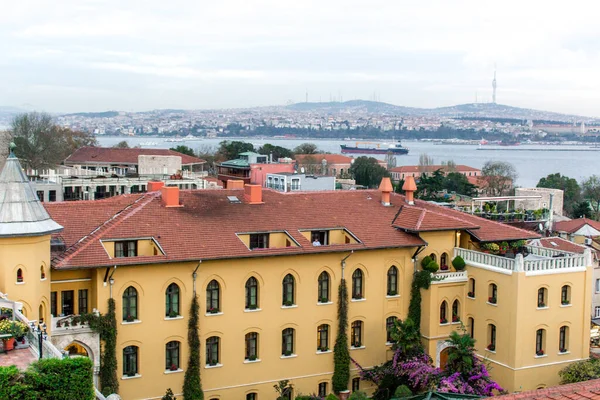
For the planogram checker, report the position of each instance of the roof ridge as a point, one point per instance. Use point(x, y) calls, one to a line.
point(105, 227)
point(420, 219)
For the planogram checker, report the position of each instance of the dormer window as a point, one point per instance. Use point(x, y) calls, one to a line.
point(126, 248)
point(320, 237)
point(259, 241)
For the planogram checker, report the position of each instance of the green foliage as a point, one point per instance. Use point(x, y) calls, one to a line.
point(582, 210)
point(341, 355)
point(331, 396)
point(402, 391)
point(49, 379)
point(460, 352)
point(421, 280)
point(169, 395)
point(184, 150)
point(572, 190)
point(458, 263)
point(367, 171)
point(43, 144)
point(192, 386)
point(580, 371)
point(425, 261)
point(499, 177)
point(359, 395)
point(282, 388)
point(407, 338)
point(123, 144)
point(458, 183)
point(229, 150)
point(306, 148)
point(591, 193)
point(277, 151)
point(432, 267)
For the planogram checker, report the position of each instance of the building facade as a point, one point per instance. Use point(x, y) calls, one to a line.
point(401, 173)
point(288, 182)
point(268, 295)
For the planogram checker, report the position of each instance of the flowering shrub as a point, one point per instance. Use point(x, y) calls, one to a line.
point(492, 300)
point(539, 352)
point(471, 294)
point(16, 328)
point(443, 321)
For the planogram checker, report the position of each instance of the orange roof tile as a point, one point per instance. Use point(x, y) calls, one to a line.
point(575, 224)
point(206, 226)
point(409, 169)
point(111, 155)
point(581, 390)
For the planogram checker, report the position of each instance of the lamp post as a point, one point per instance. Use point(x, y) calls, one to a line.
point(42, 334)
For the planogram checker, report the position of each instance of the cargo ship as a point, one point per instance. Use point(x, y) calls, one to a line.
point(379, 148)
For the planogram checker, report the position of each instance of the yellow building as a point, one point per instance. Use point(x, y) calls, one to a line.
point(266, 267)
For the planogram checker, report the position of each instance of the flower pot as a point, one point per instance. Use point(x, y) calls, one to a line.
point(9, 344)
point(344, 394)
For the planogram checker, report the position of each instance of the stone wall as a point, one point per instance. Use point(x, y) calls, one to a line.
point(544, 202)
point(158, 165)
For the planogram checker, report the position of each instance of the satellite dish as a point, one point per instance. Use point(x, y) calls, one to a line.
point(352, 161)
point(541, 227)
point(302, 170)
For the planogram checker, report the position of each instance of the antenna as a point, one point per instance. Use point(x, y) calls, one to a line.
point(494, 86)
point(306, 96)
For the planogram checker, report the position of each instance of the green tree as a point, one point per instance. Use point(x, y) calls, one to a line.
point(123, 144)
point(591, 193)
point(499, 177)
point(341, 355)
point(407, 338)
point(184, 150)
point(277, 151)
point(458, 183)
point(306, 148)
point(43, 144)
point(572, 190)
point(461, 352)
point(580, 371)
point(367, 171)
point(429, 186)
point(229, 150)
point(192, 386)
point(582, 210)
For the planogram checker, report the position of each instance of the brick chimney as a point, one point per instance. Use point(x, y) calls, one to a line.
point(154, 186)
point(234, 184)
point(170, 196)
point(409, 187)
point(385, 187)
point(253, 194)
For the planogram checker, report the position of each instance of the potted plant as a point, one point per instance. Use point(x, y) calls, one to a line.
point(458, 263)
point(212, 363)
point(288, 303)
point(444, 268)
point(492, 299)
point(323, 349)
point(539, 352)
point(173, 367)
point(58, 324)
point(491, 347)
point(213, 310)
point(455, 318)
point(503, 248)
point(130, 373)
point(565, 302)
point(541, 304)
point(66, 323)
point(129, 318)
point(357, 296)
point(392, 293)
point(287, 353)
point(562, 350)
point(252, 307)
point(323, 300)
point(252, 357)
point(471, 294)
point(173, 314)
point(443, 321)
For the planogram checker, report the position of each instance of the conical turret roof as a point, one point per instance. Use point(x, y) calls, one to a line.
point(21, 212)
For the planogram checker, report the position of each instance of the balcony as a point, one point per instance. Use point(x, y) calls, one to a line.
point(450, 277)
point(535, 261)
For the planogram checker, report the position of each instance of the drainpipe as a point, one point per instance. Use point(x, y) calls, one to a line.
point(415, 257)
point(111, 281)
point(195, 275)
point(344, 262)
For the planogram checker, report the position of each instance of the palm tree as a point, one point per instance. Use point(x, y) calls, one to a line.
point(461, 352)
point(407, 338)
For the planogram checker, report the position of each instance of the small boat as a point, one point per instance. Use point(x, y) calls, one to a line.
point(174, 140)
point(190, 138)
point(394, 148)
point(148, 144)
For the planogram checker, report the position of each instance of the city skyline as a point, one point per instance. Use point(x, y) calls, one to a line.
point(104, 55)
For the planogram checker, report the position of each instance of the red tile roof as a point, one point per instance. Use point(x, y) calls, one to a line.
point(557, 243)
point(206, 226)
point(318, 158)
point(573, 391)
point(575, 224)
point(432, 168)
point(110, 155)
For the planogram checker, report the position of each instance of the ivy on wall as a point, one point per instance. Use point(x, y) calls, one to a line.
point(341, 355)
point(192, 386)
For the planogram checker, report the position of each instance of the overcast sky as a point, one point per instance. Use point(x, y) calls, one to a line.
point(92, 55)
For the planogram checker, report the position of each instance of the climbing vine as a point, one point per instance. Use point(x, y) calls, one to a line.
point(421, 280)
point(192, 386)
point(341, 355)
point(106, 326)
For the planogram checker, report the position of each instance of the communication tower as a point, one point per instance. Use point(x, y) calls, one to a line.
point(494, 87)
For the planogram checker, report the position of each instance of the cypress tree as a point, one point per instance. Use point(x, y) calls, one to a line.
point(192, 387)
point(108, 359)
point(341, 355)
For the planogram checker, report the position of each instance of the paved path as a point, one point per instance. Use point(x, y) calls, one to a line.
point(19, 357)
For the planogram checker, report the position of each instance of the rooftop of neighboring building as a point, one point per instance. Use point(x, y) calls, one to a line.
point(575, 225)
point(111, 155)
point(432, 168)
point(318, 158)
point(557, 243)
point(208, 224)
point(582, 390)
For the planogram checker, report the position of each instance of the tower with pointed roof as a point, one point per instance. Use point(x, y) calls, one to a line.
point(25, 232)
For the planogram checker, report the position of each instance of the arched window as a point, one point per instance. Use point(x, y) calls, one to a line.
point(172, 356)
point(323, 296)
point(19, 275)
point(389, 328)
point(287, 342)
point(563, 339)
point(471, 292)
point(288, 290)
point(433, 257)
point(212, 350)
point(42, 272)
point(444, 261)
point(213, 300)
point(130, 304)
point(565, 295)
point(251, 294)
point(444, 312)
point(357, 284)
point(542, 298)
point(130, 361)
point(172, 301)
point(491, 337)
point(251, 396)
point(252, 346)
point(355, 384)
point(455, 311)
point(356, 334)
point(323, 337)
point(471, 327)
point(493, 294)
point(540, 339)
point(392, 281)
point(322, 389)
